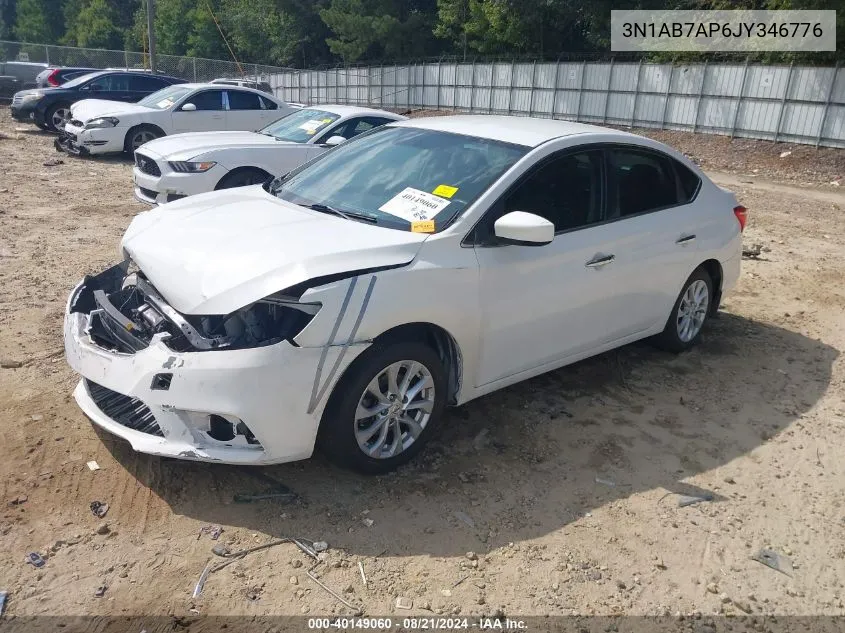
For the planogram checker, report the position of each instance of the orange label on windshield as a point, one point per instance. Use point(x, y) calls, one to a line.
point(426, 226)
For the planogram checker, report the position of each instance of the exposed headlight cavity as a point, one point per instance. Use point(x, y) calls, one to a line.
point(101, 122)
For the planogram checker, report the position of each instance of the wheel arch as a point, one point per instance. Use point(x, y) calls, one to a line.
point(440, 340)
point(713, 268)
point(240, 170)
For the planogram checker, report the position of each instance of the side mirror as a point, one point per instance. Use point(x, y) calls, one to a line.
point(188, 107)
point(524, 229)
point(334, 140)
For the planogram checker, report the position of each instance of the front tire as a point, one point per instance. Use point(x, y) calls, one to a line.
point(385, 407)
point(243, 178)
point(689, 314)
point(139, 135)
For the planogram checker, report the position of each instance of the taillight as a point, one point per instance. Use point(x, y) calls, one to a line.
point(741, 214)
point(53, 78)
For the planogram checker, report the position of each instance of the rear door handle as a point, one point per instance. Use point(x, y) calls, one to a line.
point(686, 239)
point(601, 260)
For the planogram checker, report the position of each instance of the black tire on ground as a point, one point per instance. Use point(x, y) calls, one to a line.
point(52, 112)
point(40, 125)
point(670, 339)
point(243, 178)
point(336, 437)
point(139, 135)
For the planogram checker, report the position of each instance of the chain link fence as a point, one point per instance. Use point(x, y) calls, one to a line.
point(189, 68)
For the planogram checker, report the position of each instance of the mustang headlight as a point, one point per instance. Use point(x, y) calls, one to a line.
point(100, 122)
point(33, 96)
point(187, 167)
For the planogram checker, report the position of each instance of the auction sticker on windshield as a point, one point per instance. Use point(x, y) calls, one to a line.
point(414, 205)
point(311, 126)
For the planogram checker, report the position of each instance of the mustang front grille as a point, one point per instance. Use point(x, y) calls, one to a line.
point(147, 165)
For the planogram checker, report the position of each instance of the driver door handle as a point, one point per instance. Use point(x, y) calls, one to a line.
point(600, 260)
point(686, 239)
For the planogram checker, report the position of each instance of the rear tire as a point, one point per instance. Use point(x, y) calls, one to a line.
point(139, 135)
point(346, 429)
point(243, 178)
point(689, 314)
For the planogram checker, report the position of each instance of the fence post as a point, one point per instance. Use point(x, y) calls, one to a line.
point(827, 102)
point(666, 98)
point(553, 109)
point(492, 81)
point(126, 60)
point(455, 88)
point(699, 99)
point(194, 59)
point(472, 87)
point(783, 101)
point(381, 85)
point(438, 85)
point(510, 86)
point(607, 95)
point(533, 82)
point(636, 92)
point(741, 95)
point(580, 89)
point(47, 53)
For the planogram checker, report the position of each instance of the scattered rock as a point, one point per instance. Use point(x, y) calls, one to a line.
point(103, 529)
point(446, 592)
point(785, 154)
point(712, 587)
point(100, 592)
point(724, 598)
point(296, 563)
point(19, 500)
point(404, 603)
point(472, 556)
point(368, 522)
point(621, 585)
point(729, 480)
point(742, 606)
point(10, 363)
point(294, 580)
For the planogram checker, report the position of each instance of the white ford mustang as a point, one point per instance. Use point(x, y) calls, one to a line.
point(422, 264)
point(170, 168)
point(98, 126)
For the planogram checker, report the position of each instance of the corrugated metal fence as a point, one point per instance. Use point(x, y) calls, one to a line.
point(780, 103)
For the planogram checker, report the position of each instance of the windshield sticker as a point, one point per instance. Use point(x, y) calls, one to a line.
point(311, 126)
point(165, 103)
point(414, 205)
point(327, 120)
point(426, 226)
point(445, 191)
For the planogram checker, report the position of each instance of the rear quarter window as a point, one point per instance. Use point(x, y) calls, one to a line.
point(689, 181)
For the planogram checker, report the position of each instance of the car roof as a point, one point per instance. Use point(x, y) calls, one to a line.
point(508, 129)
point(351, 110)
point(221, 86)
point(142, 73)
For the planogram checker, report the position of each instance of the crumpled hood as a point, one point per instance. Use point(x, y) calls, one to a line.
point(88, 109)
point(217, 252)
point(186, 146)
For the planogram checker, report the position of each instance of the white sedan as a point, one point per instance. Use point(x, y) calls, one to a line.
point(424, 264)
point(97, 126)
point(167, 169)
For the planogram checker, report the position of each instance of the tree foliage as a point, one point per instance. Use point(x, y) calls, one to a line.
point(317, 32)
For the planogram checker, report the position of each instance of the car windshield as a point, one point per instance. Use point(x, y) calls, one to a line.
point(400, 177)
point(164, 98)
point(73, 83)
point(300, 126)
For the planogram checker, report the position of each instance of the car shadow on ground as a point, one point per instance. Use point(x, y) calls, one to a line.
point(524, 461)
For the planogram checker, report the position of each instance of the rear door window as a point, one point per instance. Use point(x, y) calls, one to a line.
point(642, 181)
point(242, 100)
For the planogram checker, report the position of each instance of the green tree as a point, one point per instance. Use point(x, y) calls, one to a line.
point(379, 29)
point(95, 26)
point(39, 21)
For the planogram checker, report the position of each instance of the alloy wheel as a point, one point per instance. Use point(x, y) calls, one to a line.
point(141, 137)
point(59, 117)
point(692, 310)
point(394, 409)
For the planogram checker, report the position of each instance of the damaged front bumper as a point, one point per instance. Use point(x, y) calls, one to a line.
point(77, 140)
point(238, 406)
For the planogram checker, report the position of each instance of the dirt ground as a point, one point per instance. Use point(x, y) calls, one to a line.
point(556, 496)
